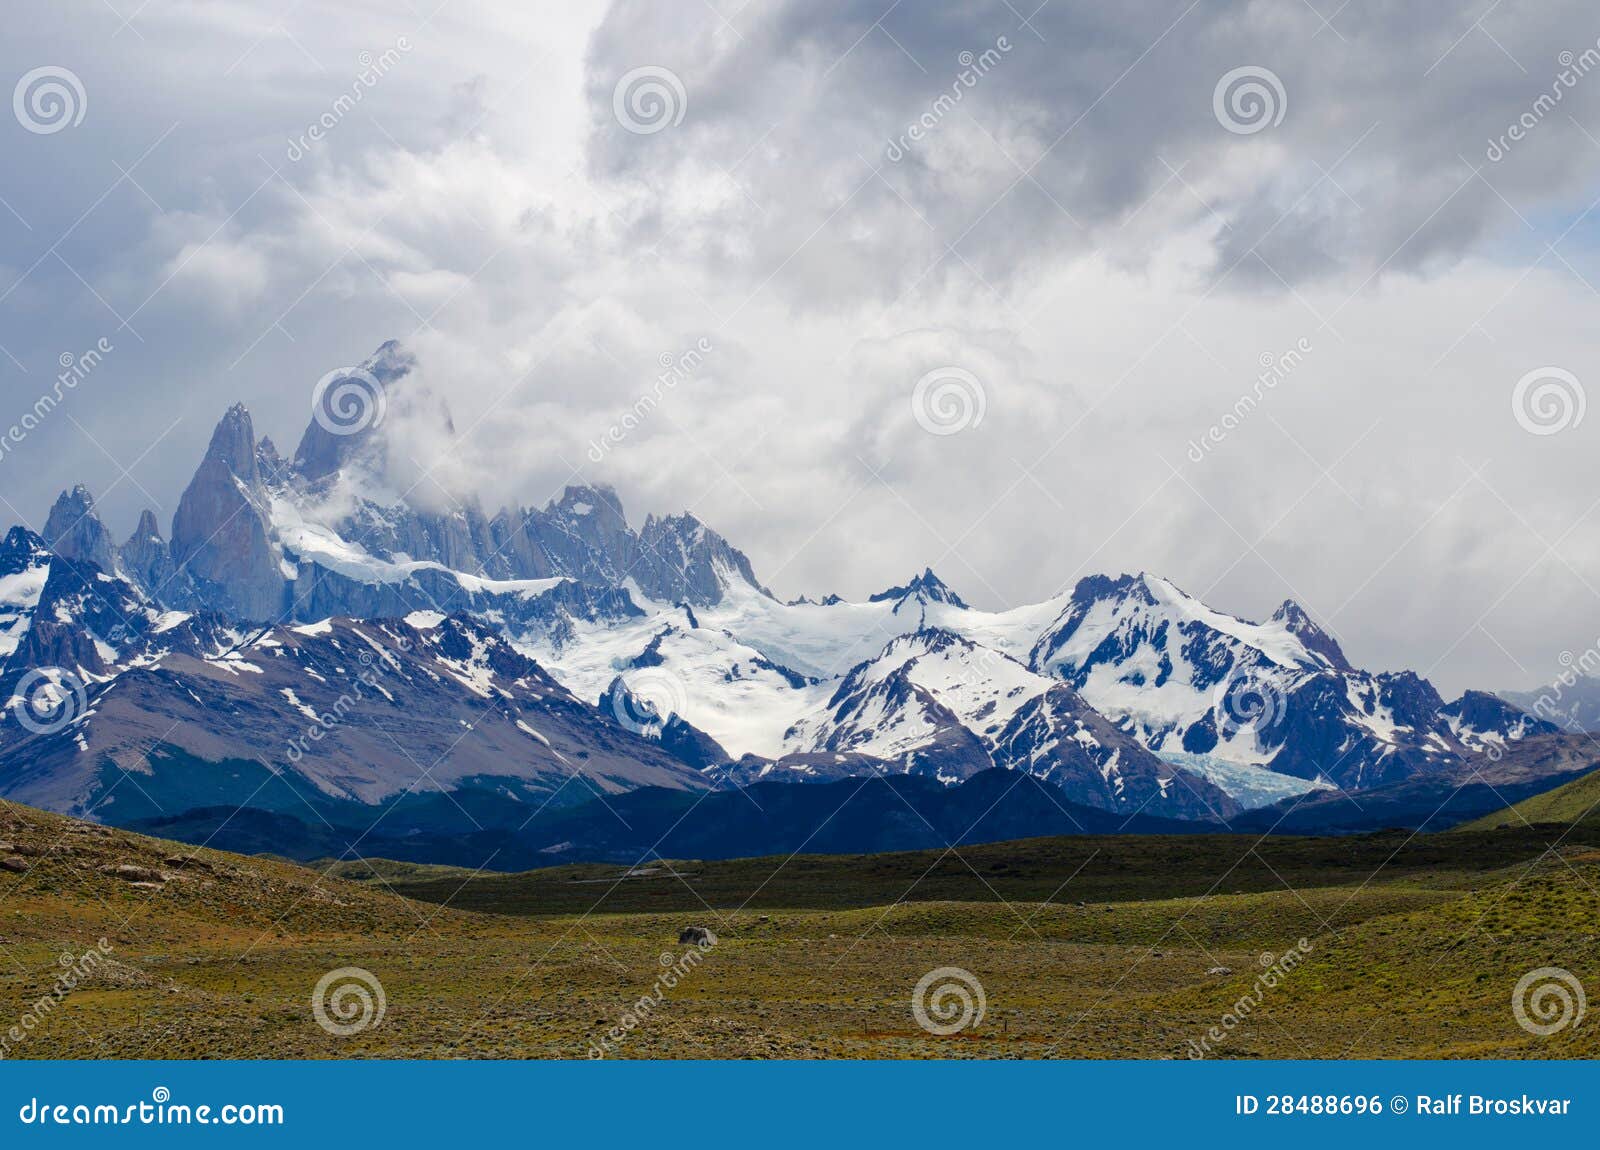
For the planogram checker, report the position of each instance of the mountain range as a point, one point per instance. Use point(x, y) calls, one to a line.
point(308, 645)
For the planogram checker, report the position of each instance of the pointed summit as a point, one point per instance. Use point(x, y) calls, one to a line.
point(221, 533)
point(233, 443)
point(349, 408)
point(927, 588)
point(147, 561)
point(681, 560)
point(147, 529)
point(74, 532)
point(1315, 639)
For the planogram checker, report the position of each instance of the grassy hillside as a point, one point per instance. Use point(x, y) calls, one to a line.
point(1084, 948)
point(1577, 802)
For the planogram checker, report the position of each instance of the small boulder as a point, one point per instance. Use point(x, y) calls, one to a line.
point(128, 872)
point(697, 936)
point(1224, 970)
point(14, 865)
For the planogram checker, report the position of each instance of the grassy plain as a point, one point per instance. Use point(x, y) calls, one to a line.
point(1084, 947)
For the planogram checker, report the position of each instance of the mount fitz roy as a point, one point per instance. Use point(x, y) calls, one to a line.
point(306, 650)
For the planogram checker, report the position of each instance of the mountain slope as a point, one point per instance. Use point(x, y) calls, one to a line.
point(343, 712)
point(1572, 804)
point(655, 651)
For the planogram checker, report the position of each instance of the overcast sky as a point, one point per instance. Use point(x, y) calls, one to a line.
point(1084, 261)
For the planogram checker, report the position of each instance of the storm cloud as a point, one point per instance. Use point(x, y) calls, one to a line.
point(1278, 300)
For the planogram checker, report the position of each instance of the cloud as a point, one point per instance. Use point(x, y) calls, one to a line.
point(1077, 232)
point(1087, 118)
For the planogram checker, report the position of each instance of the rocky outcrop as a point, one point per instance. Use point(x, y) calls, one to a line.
point(344, 434)
point(681, 560)
point(147, 562)
point(924, 589)
point(1315, 639)
point(221, 533)
point(73, 531)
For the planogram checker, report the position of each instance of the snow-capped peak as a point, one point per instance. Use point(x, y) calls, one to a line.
point(925, 588)
point(1299, 624)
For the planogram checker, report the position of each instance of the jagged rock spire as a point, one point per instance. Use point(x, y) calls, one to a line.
point(221, 532)
point(74, 532)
